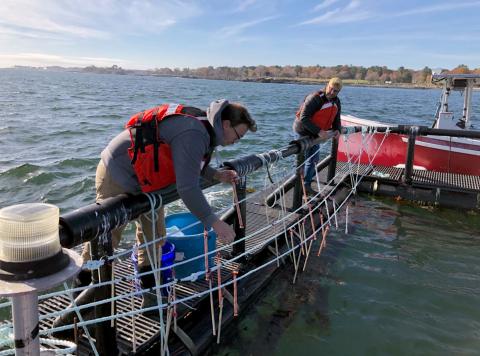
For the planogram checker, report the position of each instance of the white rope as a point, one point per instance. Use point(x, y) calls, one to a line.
point(156, 274)
point(195, 276)
point(68, 346)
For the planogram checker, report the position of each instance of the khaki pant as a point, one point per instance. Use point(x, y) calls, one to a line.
point(107, 188)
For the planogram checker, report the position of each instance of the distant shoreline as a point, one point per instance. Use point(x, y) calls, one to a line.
point(268, 80)
point(347, 82)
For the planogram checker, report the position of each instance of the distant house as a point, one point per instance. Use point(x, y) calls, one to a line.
point(388, 82)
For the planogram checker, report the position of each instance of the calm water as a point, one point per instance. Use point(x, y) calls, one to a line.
point(405, 280)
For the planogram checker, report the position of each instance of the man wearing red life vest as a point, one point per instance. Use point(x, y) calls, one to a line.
point(318, 116)
point(185, 138)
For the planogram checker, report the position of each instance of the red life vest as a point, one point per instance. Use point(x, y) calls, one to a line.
point(323, 117)
point(151, 158)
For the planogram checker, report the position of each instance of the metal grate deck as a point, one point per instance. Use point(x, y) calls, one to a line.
point(452, 181)
point(387, 173)
point(344, 169)
point(448, 180)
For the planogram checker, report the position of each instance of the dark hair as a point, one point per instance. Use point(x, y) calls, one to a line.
point(237, 114)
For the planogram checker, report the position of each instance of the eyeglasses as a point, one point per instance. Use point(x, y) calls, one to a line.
point(236, 133)
point(332, 89)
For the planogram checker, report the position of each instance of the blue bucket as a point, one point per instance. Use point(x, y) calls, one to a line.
point(189, 243)
point(168, 257)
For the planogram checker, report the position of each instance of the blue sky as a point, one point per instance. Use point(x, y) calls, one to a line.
point(144, 34)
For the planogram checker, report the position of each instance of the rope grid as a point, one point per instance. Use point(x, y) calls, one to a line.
point(294, 250)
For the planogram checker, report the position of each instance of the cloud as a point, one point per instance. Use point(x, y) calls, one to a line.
point(231, 31)
point(437, 8)
point(411, 37)
point(244, 4)
point(349, 13)
point(45, 59)
point(6, 32)
point(92, 19)
point(30, 17)
point(324, 4)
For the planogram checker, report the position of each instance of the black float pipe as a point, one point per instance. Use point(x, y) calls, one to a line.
point(410, 155)
point(297, 188)
point(332, 167)
point(91, 221)
point(248, 164)
point(97, 219)
point(105, 331)
point(422, 131)
point(94, 220)
point(241, 188)
point(430, 194)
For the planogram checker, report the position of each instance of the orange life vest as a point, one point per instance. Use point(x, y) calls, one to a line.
point(324, 116)
point(151, 158)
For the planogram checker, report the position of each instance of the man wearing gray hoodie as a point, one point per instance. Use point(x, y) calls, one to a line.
point(191, 142)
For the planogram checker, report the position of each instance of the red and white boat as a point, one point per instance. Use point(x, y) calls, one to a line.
point(434, 153)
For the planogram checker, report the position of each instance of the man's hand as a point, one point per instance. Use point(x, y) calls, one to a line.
point(224, 231)
point(226, 176)
point(325, 135)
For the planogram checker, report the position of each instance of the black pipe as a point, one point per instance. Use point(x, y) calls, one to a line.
point(332, 167)
point(432, 194)
point(250, 163)
point(97, 219)
point(241, 188)
point(410, 155)
point(297, 188)
point(91, 221)
point(422, 131)
point(105, 332)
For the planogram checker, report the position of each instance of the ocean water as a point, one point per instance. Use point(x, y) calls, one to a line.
point(405, 280)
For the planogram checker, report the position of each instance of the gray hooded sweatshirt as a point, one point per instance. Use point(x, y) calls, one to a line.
point(189, 142)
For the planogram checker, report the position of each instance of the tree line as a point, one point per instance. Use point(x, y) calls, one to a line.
point(350, 73)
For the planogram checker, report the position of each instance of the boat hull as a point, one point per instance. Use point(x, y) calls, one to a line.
point(433, 153)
